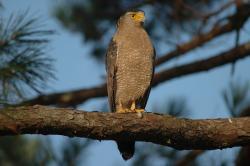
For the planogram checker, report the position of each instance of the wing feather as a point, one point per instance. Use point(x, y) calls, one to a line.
point(111, 73)
point(143, 100)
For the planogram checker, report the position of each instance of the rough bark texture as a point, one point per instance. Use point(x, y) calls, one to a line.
point(155, 128)
point(243, 158)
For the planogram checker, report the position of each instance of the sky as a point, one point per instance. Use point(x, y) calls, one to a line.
point(74, 69)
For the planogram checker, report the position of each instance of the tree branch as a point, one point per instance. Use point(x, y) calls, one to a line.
point(155, 128)
point(241, 159)
point(223, 58)
point(199, 40)
point(68, 98)
point(72, 98)
point(243, 156)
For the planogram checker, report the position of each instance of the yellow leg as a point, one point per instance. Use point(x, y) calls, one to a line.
point(121, 109)
point(133, 109)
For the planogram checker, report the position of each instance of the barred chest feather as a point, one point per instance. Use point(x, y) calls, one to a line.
point(135, 66)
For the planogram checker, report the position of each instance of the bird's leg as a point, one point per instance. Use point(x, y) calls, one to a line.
point(121, 109)
point(133, 109)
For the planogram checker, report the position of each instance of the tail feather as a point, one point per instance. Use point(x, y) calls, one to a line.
point(126, 148)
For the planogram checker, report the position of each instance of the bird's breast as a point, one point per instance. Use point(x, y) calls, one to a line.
point(134, 64)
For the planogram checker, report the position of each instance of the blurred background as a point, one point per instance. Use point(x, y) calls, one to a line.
point(53, 53)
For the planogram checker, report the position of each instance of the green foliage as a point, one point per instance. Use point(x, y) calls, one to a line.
point(24, 65)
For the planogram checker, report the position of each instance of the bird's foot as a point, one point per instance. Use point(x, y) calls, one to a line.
point(139, 110)
point(122, 110)
point(132, 108)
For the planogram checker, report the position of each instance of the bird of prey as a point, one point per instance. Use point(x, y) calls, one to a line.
point(130, 69)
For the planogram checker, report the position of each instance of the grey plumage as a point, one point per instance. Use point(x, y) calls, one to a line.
point(130, 68)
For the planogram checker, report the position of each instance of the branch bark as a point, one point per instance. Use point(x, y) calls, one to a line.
point(155, 128)
point(243, 156)
point(242, 159)
point(72, 98)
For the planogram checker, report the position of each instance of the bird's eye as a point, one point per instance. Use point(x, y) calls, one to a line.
point(133, 15)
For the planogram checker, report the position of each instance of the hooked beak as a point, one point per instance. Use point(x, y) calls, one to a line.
point(139, 16)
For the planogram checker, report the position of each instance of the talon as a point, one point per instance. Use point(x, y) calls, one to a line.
point(121, 110)
point(139, 115)
point(132, 106)
point(139, 110)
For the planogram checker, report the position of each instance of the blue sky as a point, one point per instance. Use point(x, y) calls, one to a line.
point(74, 69)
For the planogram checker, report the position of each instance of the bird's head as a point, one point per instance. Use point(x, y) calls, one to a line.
point(132, 18)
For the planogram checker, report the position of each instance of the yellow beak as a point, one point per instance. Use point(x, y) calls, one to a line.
point(139, 16)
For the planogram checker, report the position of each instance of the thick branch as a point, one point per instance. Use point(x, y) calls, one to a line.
point(71, 98)
point(242, 157)
point(155, 128)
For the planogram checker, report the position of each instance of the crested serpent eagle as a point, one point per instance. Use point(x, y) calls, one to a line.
point(130, 69)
